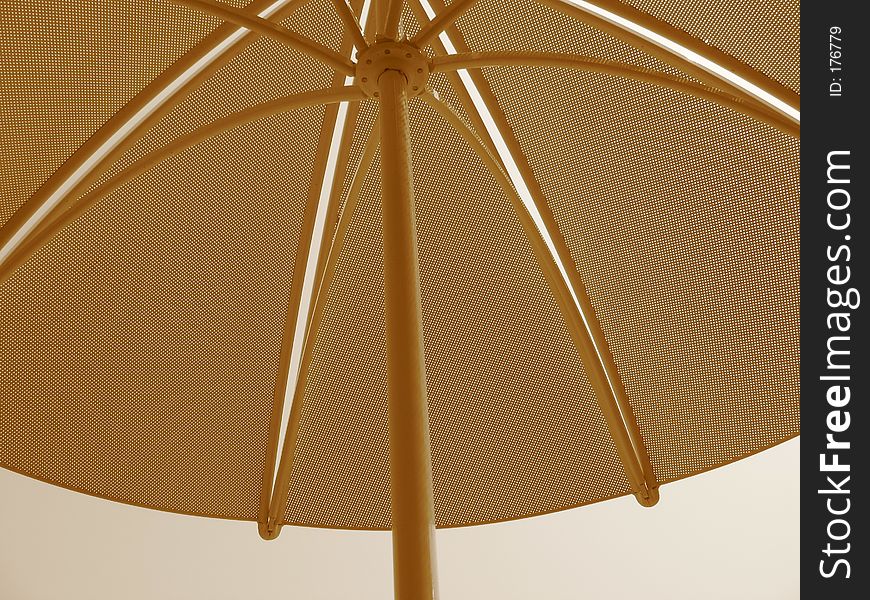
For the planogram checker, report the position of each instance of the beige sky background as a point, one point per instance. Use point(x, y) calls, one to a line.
point(730, 533)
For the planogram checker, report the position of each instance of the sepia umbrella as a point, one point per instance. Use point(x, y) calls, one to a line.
point(232, 231)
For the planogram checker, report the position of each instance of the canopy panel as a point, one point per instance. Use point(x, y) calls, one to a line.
point(139, 348)
point(266, 70)
point(66, 67)
point(764, 34)
point(179, 281)
point(683, 220)
point(529, 25)
point(515, 427)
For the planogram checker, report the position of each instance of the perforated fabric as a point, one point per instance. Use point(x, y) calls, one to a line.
point(263, 72)
point(683, 220)
point(528, 25)
point(409, 25)
point(515, 427)
point(143, 340)
point(162, 309)
point(66, 67)
point(139, 348)
point(763, 34)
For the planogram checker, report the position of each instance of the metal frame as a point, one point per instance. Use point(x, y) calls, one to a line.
point(582, 327)
point(392, 19)
point(83, 203)
point(665, 30)
point(268, 521)
point(453, 77)
point(478, 60)
point(244, 18)
point(570, 293)
point(106, 146)
point(334, 202)
point(65, 196)
point(276, 485)
point(442, 20)
point(271, 526)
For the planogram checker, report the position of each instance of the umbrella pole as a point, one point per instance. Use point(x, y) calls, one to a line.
point(410, 461)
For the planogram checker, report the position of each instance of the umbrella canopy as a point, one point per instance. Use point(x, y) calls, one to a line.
point(192, 306)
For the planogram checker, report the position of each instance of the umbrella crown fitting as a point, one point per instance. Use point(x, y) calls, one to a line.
point(396, 56)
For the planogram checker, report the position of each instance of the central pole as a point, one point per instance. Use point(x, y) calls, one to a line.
point(410, 462)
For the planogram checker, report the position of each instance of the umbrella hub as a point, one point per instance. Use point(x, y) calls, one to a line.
point(388, 55)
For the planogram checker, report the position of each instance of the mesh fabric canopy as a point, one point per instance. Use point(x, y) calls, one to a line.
point(143, 345)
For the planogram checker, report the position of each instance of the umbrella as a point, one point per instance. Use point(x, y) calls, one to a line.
point(395, 265)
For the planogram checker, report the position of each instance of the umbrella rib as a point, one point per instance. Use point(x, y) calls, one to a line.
point(337, 190)
point(298, 309)
point(393, 17)
point(576, 321)
point(132, 121)
point(379, 9)
point(455, 81)
point(332, 154)
point(81, 204)
point(366, 26)
point(247, 19)
point(619, 416)
point(444, 19)
point(288, 452)
point(683, 51)
point(351, 24)
point(477, 60)
point(342, 226)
